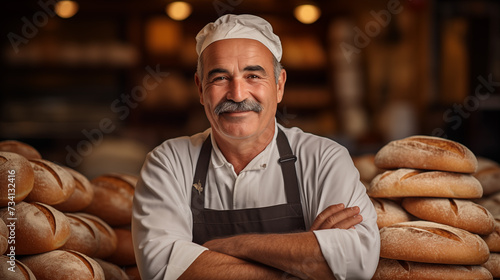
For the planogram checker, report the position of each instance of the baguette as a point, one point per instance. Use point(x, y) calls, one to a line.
point(405, 270)
point(459, 213)
point(429, 242)
point(60, 264)
point(23, 149)
point(81, 197)
point(493, 239)
point(389, 212)
point(418, 183)
point(16, 178)
point(14, 270)
point(39, 227)
point(53, 184)
point(492, 203)
point(426, 152)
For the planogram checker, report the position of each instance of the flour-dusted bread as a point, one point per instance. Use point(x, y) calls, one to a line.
point(429, 242)
point(62, 264)
point(16, 178)
point(81, 197)
point(426, 152)
point(459, 213)
point(84, 237)
point(418, 183)
point(389, 212)
point(107, 238)
point(493, 239)
point(14, 270)
point(113, 194)
point(39, 227)
point(53, 184)
point(492, 203)
point(493, 265)
point(405, 270)
point(21, 148)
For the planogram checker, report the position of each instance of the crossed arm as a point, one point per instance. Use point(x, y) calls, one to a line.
point(272, 256)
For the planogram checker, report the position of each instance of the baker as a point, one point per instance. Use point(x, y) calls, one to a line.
point(249, 198)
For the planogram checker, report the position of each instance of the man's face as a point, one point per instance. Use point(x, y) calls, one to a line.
point(239, 70)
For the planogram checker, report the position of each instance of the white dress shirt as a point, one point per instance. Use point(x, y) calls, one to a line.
point(162, 221)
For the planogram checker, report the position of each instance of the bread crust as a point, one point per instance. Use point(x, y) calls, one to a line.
point(489, 179)
point(493, 265)
point(493, 239)
point(429, 242)
point(405, 270)
point(21, 271)
point(406, 182)
point(81, 197)
point(21, 182)
point(112, 271)
point(107, 239)
point(426, 152)
point(53, 184)
point(62, 264)
point(389, 212)
point(39, 228)
point(21, 148)
point(459, 213)
point(84, 236)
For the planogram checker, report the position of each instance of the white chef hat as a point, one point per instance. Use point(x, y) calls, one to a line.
point(239, 27)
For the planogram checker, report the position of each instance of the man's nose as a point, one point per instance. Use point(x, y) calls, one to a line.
point(237, 91)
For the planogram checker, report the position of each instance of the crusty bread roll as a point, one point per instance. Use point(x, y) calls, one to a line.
point(16, 178)
point(39, 227)
point(53, 184)
point(459, 213)
point(113, 194)
point(112, 271)
point(493, 265)
point(483, 163)
point(493, 239)
point(81, 197)
point(107, 236)
point(124, 253)
point(426, 152)
point(14, 146)
point(14, 270)
point(4, 237)
point(489, 179)
point(418, 183)
point(429, 242)
point(84, 236)
point(492, 203)
point(62, 264)
point(389, 212)
point(366, 167)
point(404, 270)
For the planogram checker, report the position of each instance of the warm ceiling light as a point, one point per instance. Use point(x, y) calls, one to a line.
point(307, 13)
point(178, 10)
point(66, 9)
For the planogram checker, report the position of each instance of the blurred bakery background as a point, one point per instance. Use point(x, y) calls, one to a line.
point(95, 85)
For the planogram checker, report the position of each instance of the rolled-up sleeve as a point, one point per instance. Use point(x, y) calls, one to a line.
point(161, 221)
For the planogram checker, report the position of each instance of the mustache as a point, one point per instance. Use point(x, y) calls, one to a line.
point(230, 106)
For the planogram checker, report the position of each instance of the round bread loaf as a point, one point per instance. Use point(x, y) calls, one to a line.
point(418, 183)
point(14, 270)
point(459, 213)
point(429, 242)
point(493, 239)
point(112, 271)
point(113, 194)
point(81, 197)
point(106, 237)
point(483, 163)
point(84, 236)
point(366, 167)
point(16, 178)
point(426, 152)
point(492, 203)
point(13, 146)
point(124, 253)
point(389, 212)
point(493, 265)
point(53, 184)
point(404, 270)
point(62, 264)
point(489, 179)
point(4, 237)
point(39, 227)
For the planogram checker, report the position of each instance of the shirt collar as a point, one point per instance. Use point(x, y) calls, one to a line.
point(261, 161)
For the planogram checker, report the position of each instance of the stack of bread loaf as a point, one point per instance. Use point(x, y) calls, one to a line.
point(56, 224)
point(430, 226)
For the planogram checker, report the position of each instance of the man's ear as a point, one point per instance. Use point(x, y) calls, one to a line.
point(199, 87)
point(280, 86)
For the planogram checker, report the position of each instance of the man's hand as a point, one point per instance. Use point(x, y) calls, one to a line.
point(337, 216)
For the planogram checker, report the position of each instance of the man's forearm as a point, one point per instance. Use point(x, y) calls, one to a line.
point(214, 265)
point(296, 253)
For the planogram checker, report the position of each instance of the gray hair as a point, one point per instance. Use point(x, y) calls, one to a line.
point(276, 66)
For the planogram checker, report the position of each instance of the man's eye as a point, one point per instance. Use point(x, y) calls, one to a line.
point(253, 76)
point(220, 78)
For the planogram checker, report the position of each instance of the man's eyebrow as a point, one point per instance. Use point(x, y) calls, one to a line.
point(216, 71)
point(257, 68)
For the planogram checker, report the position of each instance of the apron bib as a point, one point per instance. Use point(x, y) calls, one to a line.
point(210, 224)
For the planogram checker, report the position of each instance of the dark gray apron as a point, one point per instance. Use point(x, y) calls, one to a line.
point(210, 224)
